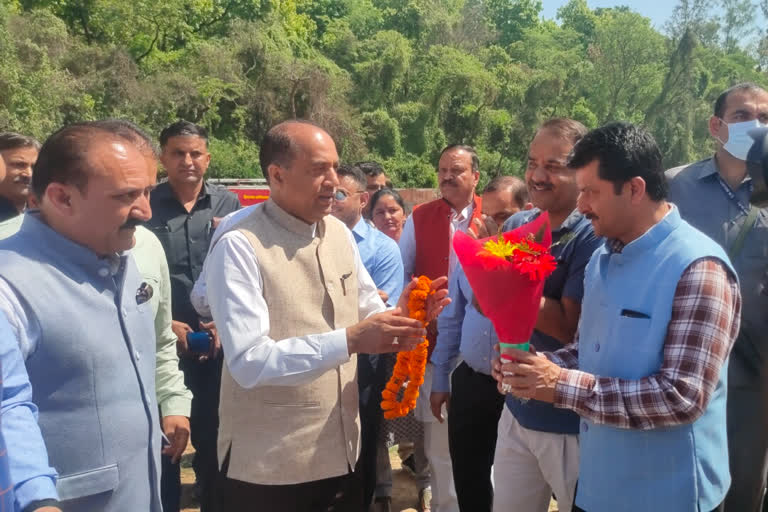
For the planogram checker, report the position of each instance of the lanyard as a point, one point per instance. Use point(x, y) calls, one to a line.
point(731, 195)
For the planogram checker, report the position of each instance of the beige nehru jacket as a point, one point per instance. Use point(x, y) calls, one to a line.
point(291, 434)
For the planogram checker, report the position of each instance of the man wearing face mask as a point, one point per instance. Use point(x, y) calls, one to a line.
point(713, 196)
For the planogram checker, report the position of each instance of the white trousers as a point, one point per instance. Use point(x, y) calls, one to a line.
point(436, 441)
point(529, 466)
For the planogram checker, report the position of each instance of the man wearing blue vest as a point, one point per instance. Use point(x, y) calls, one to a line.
point(537, 452)
point(713, 195)
point(75, 302)
point(659, 317)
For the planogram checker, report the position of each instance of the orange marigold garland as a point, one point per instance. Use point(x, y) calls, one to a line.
point(410, 365)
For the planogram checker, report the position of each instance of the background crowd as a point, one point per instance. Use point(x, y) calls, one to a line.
point(394, 80)
point(137, 316)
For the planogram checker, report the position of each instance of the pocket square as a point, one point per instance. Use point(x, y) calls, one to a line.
point(144, 293)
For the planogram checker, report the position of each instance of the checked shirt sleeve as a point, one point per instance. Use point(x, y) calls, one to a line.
point(705, 322)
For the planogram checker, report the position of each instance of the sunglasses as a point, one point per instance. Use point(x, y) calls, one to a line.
point(342, 195)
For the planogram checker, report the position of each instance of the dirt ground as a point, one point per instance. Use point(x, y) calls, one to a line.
point(404, 491)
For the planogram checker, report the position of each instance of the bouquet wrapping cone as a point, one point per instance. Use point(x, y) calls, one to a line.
point(507, 274)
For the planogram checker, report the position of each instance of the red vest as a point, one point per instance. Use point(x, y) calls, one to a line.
point(431, 224)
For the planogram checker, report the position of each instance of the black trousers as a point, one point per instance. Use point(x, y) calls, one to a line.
point(204, 380)
point(371, 381)
point(338, 494)
point(473, 419)
point(170, 485)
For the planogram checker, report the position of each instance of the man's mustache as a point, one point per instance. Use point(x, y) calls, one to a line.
point(22, 178)
point(449, 183)
point(131, 223)
point(545, 186)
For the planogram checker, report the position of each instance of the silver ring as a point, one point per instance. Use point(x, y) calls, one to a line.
point(506, 388)
point(395, 342)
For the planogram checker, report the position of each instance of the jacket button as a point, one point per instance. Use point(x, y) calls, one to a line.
point(103, 272)
point(584, 427)
point(597, 347)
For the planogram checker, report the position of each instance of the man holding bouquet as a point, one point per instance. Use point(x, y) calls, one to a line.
point(537, 452)
point(659, 317)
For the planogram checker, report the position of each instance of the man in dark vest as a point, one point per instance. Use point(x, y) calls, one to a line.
point(426, 249)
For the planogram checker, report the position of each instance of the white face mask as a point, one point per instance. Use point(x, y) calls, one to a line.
point(739, 141)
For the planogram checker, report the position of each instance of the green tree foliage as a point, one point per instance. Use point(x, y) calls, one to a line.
point(513, 17)
point(392, 80)
point(738, 22)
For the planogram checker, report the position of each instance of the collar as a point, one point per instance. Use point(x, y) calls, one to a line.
point(650, 238)
point(570, 222)
point(165, 191)
point(289, 222)
point(707, 168)
point(362, 229)
point(105, 266)
point(465, 213)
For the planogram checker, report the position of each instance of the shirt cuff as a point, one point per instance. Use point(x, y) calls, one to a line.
point(335, 347)
point(441, 381)
point(572, 389)
point(176, 406)
point(35, 489)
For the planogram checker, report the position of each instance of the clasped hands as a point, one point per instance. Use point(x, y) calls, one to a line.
point(393, 330)
point(528, 375)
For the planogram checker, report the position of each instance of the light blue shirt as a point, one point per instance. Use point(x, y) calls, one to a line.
point(381, 258)
point(27, 459)
point(462, 330)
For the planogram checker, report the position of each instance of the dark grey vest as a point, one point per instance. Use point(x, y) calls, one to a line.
point(92, 371)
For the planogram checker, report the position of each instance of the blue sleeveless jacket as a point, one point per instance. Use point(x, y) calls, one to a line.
point(92, 370)
point(677, 469)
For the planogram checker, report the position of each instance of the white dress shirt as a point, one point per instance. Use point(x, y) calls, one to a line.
point(234, 290)
point(459, 222)
point(198, 294)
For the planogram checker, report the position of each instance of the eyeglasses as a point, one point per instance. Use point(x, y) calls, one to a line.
point(342, 195)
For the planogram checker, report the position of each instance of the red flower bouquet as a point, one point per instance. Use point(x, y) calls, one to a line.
point(507, 273)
